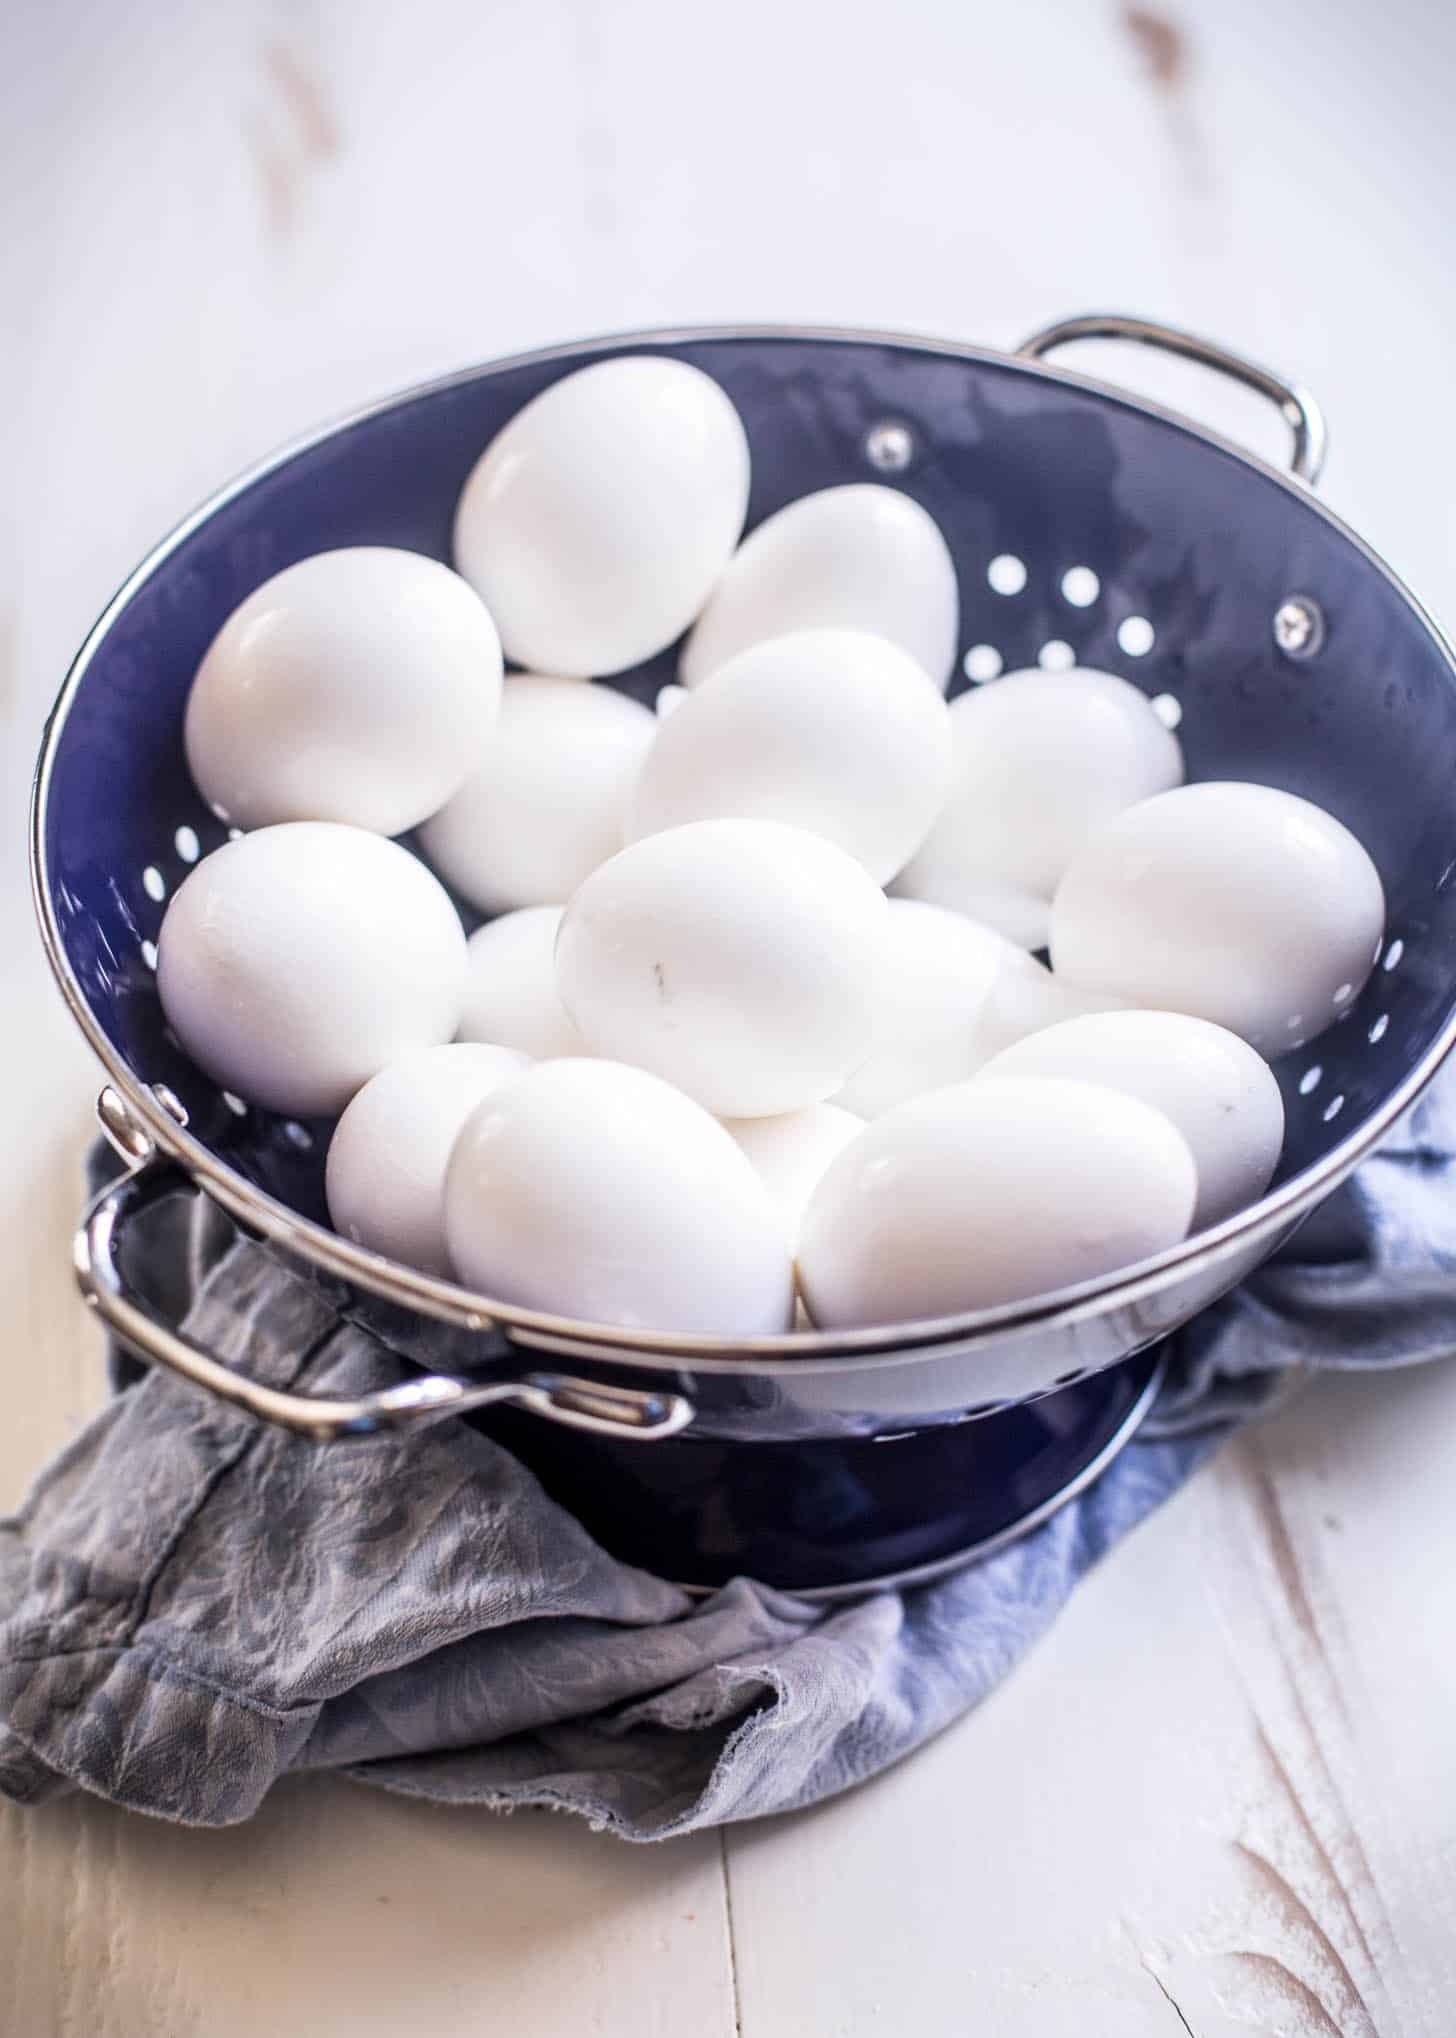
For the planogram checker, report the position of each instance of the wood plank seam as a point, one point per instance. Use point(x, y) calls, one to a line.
point(726, 1869)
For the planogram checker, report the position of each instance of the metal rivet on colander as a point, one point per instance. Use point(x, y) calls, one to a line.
point(170, 1102)
point(1299, 626)
point(890, 446)
point(125, 1133)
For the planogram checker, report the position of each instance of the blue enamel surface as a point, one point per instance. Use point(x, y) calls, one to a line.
point(824, 1514)
point(1197, 541)
point(1177, 531)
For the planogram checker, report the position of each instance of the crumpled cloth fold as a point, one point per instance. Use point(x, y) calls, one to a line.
point(191, 1605)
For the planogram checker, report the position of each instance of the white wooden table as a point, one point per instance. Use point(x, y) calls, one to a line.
point(1221, 1797)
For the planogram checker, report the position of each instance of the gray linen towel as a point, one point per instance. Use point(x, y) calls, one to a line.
point(190, 1605)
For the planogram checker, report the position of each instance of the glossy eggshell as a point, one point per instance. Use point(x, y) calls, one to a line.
point(1042, 759)
point(510, 996)
point(950, 994)
point(1235, 903)
point(737, 959)
point(989, 1193)
point(595, 1191)
point(357, 686)
point(1220, 1094)
point(790, 1153)
point(295, 962)
point(860, 557)
point(385, 1173)
point(831, 730)
point(1020, 916)
point(596, 523)
point(547, 802)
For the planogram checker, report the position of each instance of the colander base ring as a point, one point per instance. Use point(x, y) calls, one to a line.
point(833, 1519)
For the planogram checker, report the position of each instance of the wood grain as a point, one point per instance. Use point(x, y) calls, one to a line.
point(1221, 1797)
point(342, 1913)
point(1164, 1814)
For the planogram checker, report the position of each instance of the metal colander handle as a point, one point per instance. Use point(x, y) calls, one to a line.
point(620, 1412)
point(1298, 408)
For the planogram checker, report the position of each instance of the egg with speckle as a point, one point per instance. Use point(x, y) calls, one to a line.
point(950, 995)
point(1042, 759)
point(989, 1193)
point(596, 1191)
point(1220, 1094)
point(737, 959)
point(1235, 903)
point(510, 997)
point(596, 523)
point(385, 1174)
point(357, 686)
point(295, 962)
point(791, 1151)
point(831, 730)
point(859, 557)
point(547, 802)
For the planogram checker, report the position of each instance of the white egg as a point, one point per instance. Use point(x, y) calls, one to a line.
point(592, 1190)
point(385, 1174)
point(357, 686)
point(595, 524)
point(862, 557)
point(791, 1152)
point(1041, 760)
point(1221, 1095)
point(831, 730)
point(510, 995)
point(295, 962)
point(547, 802)
point(950, 994)
point(1235, 903)
point(1021, 916)
point(988, 1193)
point(737, 959)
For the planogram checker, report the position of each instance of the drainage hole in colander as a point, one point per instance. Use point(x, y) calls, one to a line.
point(1080, 586)
point(1168, 709)
point(1310, 1081)
point(154, 884)
point(1056, 656)
point(235, 1104)
point(1393, 955)
point(297, 1135)
point(1333, 1109)
point(1135, 636)
point(982, 662)
point(188, 846)
point(1006, 573)
point(149, 954)
point(1379, 1030)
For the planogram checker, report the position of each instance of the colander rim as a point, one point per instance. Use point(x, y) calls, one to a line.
point(819, 1351)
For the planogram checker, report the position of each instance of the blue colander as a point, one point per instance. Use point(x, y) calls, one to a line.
point(1085, 524)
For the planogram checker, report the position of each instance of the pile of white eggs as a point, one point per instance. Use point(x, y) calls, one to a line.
point(700, 1070)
